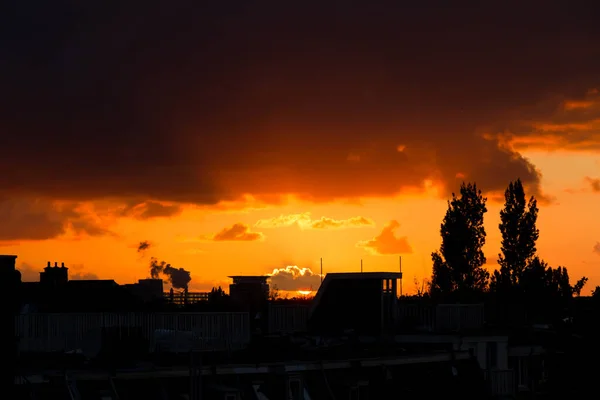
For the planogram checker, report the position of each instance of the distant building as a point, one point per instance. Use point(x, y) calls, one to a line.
point(250, 291)
point(147, 289)
point(55, 292)
point(184, 297)
point(54, 276)
point(364, 302)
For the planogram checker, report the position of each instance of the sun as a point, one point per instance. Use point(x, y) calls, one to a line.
point(304, 292)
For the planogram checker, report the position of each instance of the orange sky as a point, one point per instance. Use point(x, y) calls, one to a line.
point(569, 230)
point(252, 138)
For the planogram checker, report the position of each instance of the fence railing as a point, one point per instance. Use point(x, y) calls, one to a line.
point(47, 332)
point(288, 318)
point(501, 382)
point(442, 317)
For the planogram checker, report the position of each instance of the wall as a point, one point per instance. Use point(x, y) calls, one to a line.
point(349, 304)
point(479, 345)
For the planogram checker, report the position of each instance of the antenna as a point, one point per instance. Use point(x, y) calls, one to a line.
point(400, 261)
point(321, 269)
point(361, 265)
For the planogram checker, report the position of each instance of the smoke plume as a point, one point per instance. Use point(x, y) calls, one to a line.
point(178, 277)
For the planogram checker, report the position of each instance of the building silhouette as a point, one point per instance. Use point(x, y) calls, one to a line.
point(10, 281)
point(56, 293)
point(249, 291)
point(356, 339)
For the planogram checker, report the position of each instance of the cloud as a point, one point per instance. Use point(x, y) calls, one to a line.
point(237, 233)
point(83, 276)
point(386, 242)
point(113, 115)
point(150, 209)
point(330, 223)
point(596, 248)
point(293, 278)
point(77, 273)
point(143, 246)
point(42, 219)
point(594, 183)
point(304, 221)
point(29, 273)
point(284, 220)
point(561, 122)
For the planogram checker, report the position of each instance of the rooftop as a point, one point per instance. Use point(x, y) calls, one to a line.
point(364, 275)
point(7, 256)
point(260, 278)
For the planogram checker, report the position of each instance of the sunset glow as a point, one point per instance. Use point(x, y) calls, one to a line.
point(248, 145)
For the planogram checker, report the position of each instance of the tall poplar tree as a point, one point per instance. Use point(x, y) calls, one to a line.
point(519, 235)
point(458, 265)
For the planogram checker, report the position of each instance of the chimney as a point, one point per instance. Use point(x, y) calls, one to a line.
point(62, 265)
point(55, 264)
point(48, 264)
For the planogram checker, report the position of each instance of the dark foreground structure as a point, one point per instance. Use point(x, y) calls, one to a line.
point(355, 340)
point(324, 376)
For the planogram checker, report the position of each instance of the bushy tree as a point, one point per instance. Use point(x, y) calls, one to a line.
point(458, 265)
point(519, 235)
point(217, 294)
point(548, 290)
point(541, 282)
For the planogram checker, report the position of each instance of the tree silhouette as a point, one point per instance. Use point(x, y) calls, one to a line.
point(579, 286)
point(458, 265)
point(216, 295)
point(274, 293)
point(548, 289)
point(519, 236)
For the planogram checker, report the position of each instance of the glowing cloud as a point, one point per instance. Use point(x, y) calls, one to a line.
point(304, 221)
point(237, 233)
point(284, 220)
point(294, 278)
point(386, 242)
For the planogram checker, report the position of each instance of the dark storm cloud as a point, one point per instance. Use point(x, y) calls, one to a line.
point(203, 101)
point(40, 219)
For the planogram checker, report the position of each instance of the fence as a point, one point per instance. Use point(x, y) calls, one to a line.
point(288, 318)
point(459, 317)
point(501, 382)
point(75, 331)
point(441, 317)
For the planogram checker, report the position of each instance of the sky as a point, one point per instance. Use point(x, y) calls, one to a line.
point(261, 137)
